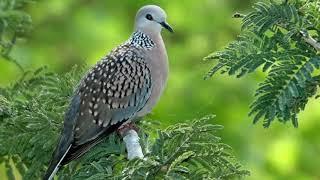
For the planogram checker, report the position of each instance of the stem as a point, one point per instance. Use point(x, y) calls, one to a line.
point(10, 59)
point(172, 155)
point(177, 150)
point(308, 39)
point(7, 51)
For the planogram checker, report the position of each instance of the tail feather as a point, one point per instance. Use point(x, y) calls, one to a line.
point(66, 139)
point(54, 165)
point(77, 151)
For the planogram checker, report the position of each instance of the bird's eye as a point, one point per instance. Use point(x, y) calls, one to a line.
point(149, 17)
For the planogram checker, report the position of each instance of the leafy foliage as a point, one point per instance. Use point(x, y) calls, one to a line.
point(34, 110)
point(182, 151)
point(14, 23)
point(278, 38)
point(32, 113)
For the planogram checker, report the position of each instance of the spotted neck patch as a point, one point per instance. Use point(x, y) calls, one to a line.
point(141, 40)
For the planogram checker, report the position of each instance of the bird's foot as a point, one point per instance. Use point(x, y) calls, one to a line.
point(122, 130)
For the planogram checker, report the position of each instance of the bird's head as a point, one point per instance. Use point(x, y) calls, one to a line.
point(151, 19)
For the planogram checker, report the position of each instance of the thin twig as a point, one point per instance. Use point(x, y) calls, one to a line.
point(310, 40)
point(10, 45)
point(8, 49)
point(10, 59)
point(168, 160)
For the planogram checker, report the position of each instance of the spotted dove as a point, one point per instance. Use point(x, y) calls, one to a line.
point(122, 87)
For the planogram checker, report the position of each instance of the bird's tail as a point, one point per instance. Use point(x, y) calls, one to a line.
point(55, 163)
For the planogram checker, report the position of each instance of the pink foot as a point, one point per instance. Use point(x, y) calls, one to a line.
point(122, 130)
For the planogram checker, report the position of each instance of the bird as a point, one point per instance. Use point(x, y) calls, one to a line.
point(121, 88)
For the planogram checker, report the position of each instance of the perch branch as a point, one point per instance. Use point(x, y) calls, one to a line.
point(131, 140)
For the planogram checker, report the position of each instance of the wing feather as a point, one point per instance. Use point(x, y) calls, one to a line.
point(112, 92)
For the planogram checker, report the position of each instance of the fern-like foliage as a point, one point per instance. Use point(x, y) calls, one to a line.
point(182, 151)
point(277, 37)
point(31, 118)
point(32, 113)
point(14, 23)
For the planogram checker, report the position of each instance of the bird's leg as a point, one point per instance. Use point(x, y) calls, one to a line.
point(130, 136)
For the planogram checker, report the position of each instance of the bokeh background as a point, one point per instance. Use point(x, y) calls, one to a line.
point(76, 32)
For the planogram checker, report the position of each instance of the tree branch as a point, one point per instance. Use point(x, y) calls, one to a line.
point(131, 140)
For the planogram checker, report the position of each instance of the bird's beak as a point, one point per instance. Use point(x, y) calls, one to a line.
point(166, 26)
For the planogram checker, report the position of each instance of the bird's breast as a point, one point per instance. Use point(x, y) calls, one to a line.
point(159, 67)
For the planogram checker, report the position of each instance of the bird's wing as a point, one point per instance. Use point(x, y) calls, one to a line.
point(112, 93)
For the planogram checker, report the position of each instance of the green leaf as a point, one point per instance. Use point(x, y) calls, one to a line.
point(271, 39)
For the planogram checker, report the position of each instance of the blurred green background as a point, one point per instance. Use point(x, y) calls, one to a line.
point(70, 32)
